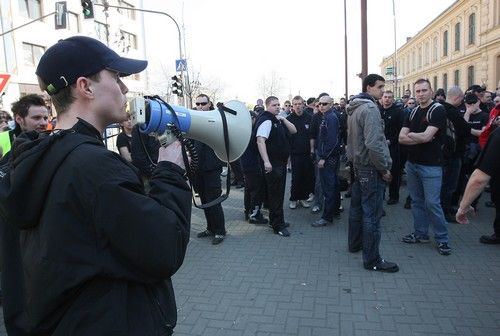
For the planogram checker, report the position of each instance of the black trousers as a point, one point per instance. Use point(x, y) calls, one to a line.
point(395, 184)
point(495, 197)
point(237, 172)
point(208, 186)
point(302, 177)
point(275, 183)
point(254, 185)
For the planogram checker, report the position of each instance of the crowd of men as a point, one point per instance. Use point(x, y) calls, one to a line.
point(104, 232)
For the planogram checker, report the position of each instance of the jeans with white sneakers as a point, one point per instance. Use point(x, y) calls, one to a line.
point(424, 185)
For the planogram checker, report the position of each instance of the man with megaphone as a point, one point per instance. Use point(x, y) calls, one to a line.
point(272, 133)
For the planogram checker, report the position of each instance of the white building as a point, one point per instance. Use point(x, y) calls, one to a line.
point(21, 49)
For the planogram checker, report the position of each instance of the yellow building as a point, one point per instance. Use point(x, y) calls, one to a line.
point(459, 47)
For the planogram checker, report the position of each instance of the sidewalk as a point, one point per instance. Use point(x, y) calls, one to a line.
point(258, 283)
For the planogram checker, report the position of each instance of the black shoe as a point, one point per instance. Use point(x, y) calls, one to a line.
point(282, 232)
point(258, 220)
point(492, 239)
point(355, 249)
point(336, 215)
point(240, 185)
point(444, 249)
point(203, 234)
point(347, 194)
point(383, 213)
point(247, 216)
point(217, 239)
point(384, 266)
point(392, 201)
point(407, 204)
point(286, 224)
point(489, 204)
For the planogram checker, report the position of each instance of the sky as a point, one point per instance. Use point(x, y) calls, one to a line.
point(233, 45)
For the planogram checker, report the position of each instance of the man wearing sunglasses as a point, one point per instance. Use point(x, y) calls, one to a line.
point(208, 183)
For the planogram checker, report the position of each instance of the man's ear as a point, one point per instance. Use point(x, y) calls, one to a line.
point(19, 119)
point(84, 87)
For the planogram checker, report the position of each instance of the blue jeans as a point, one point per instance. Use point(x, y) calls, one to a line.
point(318, 190)
point(329, 184)
point(424, 185)
point(367, 197)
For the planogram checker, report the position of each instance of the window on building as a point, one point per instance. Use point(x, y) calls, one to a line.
point(470, 76)
point(30, 8)
point(445, 82)
point(435, 49)
point(456, 78)
point(32, 53)
point(445, 43)
point(426, 53)
point(472, 28)
point(435, 82)
point(102, 32)
point(457, 36)
point(420, 57)
point(73, 22)
point(129, 40)
point(128, 13)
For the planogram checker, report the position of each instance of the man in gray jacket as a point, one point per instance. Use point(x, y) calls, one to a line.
point(368, 151)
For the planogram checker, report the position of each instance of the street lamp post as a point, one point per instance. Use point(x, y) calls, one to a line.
point(106, 5)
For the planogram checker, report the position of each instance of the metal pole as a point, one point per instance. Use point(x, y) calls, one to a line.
point(345, 52)
point(394, 66)
point(28, 23)
point(364, 41)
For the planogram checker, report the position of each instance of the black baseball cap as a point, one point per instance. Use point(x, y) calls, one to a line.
point(470, 98)
point(476, 88)
point(81, 56)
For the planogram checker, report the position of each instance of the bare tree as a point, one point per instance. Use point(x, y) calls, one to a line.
point(271, 85)
point(212, 87)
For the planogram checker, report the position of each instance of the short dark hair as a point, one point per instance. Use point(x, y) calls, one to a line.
point(421, 81)
point(22, 106)
point(370, 80)
point(323, 94)
point(310, 100)
point(270, 99)
point(202, 95)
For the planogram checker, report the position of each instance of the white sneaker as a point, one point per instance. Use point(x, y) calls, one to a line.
point(304, 204)
point(293, 205)
point(224, 171)
point(311, 198)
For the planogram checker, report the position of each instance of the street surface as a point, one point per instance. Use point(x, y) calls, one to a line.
point(258, 283)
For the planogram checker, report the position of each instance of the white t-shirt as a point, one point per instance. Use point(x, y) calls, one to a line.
point(264, 129)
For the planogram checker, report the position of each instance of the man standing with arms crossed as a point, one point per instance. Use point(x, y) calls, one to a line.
point(422, 132)
point(368, 151)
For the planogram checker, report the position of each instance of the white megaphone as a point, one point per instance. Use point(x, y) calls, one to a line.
point(153, 116)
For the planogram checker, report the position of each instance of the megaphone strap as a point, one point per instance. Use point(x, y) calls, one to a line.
point(221, 106)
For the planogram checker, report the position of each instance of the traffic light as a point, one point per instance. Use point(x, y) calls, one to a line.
point(87, 9)
point(177, 86)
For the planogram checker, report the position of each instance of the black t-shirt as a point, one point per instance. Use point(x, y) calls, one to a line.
point(488, 161)
point(429, 153)
point(477, 121)
point(123, 140)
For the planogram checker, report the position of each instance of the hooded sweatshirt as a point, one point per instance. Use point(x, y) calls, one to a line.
point(94, 254)
point(366, 144)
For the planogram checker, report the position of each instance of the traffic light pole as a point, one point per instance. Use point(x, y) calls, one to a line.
point(28, 23)
point(153, 12)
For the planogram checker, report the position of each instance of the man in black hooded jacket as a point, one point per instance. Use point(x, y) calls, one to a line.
point(94, 254)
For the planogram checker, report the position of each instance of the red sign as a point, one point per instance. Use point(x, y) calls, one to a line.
point(4, 80)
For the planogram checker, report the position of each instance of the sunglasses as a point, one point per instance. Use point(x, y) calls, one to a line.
point(324, 104)
point(202, 104)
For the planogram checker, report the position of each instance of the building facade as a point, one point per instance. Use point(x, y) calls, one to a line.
point(459, 47)
point(21, 49)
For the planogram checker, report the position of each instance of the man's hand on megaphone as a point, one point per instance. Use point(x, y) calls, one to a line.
point(172, 153)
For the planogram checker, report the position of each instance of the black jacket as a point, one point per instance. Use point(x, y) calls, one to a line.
point(393, 122)
point(144, 152)
point(462, 128)
point(299, 142)
point(94, 254)
point(277, 145)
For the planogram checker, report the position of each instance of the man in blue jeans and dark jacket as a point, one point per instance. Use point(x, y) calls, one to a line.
point(368, 151)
